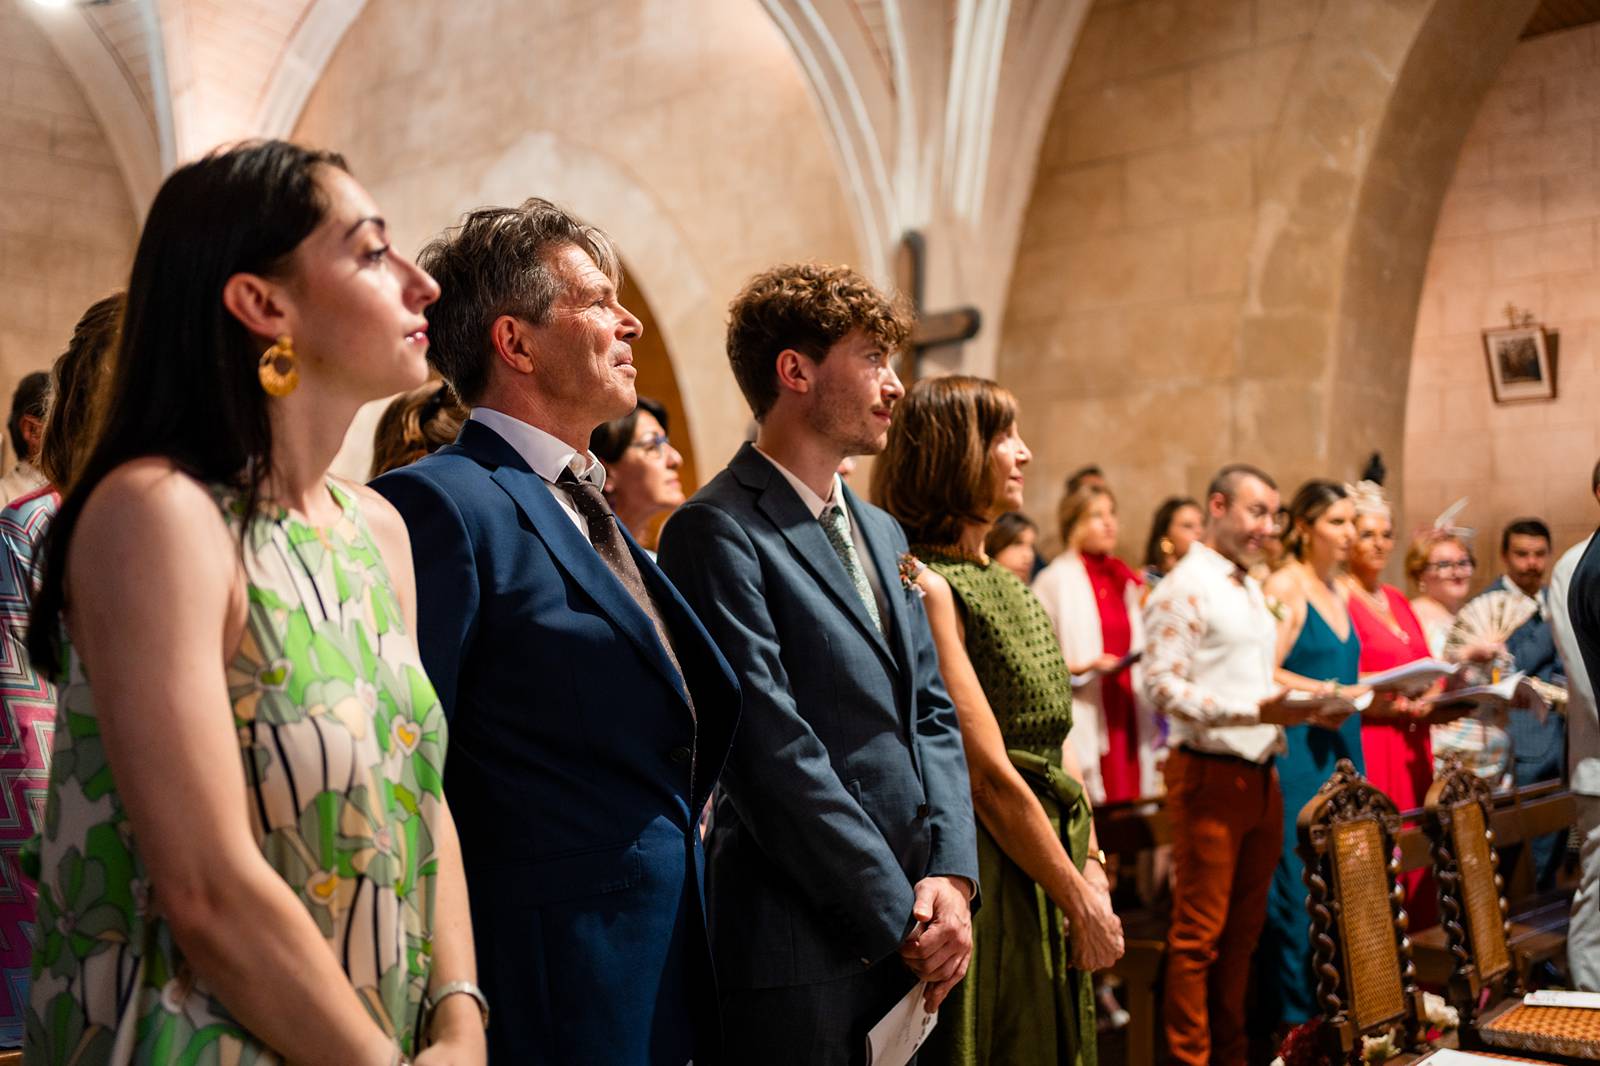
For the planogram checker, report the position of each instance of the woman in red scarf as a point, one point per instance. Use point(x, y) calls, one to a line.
point(1092, 597)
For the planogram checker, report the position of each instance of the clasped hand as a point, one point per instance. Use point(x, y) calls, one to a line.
point(940, 944)
point(1094, 930)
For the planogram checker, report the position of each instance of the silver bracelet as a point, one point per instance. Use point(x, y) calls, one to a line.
point(455, 988)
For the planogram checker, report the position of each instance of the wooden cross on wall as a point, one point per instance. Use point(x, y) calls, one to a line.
point(933, 329)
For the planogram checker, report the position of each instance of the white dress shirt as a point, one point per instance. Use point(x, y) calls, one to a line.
point(1210, 648)
point(816, 505)
point(547, 456)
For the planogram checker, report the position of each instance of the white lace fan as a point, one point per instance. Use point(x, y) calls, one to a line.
point(1488, 619)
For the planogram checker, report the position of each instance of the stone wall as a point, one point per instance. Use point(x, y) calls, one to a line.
point(66, 227)
point(1518, 226)
point(686, 130)
point(1228, 233)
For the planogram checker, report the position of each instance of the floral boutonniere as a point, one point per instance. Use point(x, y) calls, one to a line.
point(911, 568)
point(1279, 609)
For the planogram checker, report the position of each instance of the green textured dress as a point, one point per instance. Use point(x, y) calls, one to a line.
point(342, 741)
point(1021, 1003)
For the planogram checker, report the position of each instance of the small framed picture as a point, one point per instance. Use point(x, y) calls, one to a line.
point(1520, 364)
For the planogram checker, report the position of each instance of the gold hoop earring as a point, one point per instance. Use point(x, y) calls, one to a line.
point(1167, 547)
point(277, 372)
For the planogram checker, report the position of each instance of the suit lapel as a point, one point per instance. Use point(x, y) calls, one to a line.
point(567, 546)
point(777, 499)
point(881, 547)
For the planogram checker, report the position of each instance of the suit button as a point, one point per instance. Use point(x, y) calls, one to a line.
point(680, 755)
point(922, 810)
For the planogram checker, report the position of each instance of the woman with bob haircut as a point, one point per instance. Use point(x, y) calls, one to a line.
point(247, 856)
point(953, 465)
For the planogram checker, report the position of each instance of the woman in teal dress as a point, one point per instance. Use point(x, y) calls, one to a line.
point(954, 464)
point(1318, 653)
point(246, 854)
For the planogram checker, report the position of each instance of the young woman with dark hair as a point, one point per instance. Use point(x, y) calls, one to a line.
point(1319, 653)
point(1177, 524)
point(953, 465)
point(247, 853)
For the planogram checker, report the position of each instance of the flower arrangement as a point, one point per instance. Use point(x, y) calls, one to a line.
point(1304, 1045)
point(911, 568)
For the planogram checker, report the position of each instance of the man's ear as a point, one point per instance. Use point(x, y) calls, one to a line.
point(513, 343)
point(795, 371)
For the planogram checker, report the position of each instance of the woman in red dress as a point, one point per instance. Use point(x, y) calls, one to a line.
point(1394, 736)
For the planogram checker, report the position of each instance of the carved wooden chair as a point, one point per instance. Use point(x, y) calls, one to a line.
point(1472, 904)
point(1361, 956)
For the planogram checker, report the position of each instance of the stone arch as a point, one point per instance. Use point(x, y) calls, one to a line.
point(599, 191)
point(697, 145)
point(1228, 233)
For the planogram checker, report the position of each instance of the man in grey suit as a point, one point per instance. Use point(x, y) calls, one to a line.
point(842, 861)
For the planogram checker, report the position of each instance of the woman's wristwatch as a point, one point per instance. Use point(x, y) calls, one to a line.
point(430, 1004)
point(1098, 855)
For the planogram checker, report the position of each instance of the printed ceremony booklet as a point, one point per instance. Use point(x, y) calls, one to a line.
point(896, 1038)
point(1491, 702)
point(1411, 679)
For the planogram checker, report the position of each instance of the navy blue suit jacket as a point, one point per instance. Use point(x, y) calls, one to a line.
point(575, 769)
point(848, 781)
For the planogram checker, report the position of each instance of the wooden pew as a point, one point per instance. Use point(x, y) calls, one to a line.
point(1538, 927)
point(1125, 831)
point(1538, 920)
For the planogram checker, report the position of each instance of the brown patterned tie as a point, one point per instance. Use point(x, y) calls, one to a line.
point(612, 547)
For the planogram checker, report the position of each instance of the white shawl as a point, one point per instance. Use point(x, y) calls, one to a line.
point(1068, 597)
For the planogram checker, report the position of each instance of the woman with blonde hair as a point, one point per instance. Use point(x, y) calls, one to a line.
point(1092, 598)
point(953, 465)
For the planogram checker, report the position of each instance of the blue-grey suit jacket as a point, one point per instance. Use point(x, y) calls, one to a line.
point(848, 781)
point(575, 770)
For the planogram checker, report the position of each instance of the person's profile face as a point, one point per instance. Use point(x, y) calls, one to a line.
point(583, 351)
point(1008, 454)
point(853, 393)
point(1186, 527)
point(1329, 537)
point(1373, 545)
point(1019, 556)
point(1096, 532)
point(644, 481)
point(354, 303)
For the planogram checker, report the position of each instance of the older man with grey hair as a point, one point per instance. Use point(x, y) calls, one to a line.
point(589, 711)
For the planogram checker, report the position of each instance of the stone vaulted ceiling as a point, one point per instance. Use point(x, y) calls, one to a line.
point(169, 79)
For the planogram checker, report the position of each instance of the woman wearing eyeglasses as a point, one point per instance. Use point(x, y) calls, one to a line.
point(1439, 566)
point(641, 466)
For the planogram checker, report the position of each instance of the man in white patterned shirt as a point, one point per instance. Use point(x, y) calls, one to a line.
point(1209, 658)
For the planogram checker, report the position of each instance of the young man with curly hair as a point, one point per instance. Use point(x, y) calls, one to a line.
point(842, 859)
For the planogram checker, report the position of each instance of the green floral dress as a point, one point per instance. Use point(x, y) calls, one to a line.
point(1021, 1003)
point(342, 741)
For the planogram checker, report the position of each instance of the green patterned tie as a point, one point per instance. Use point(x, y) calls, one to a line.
point(837, 527)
